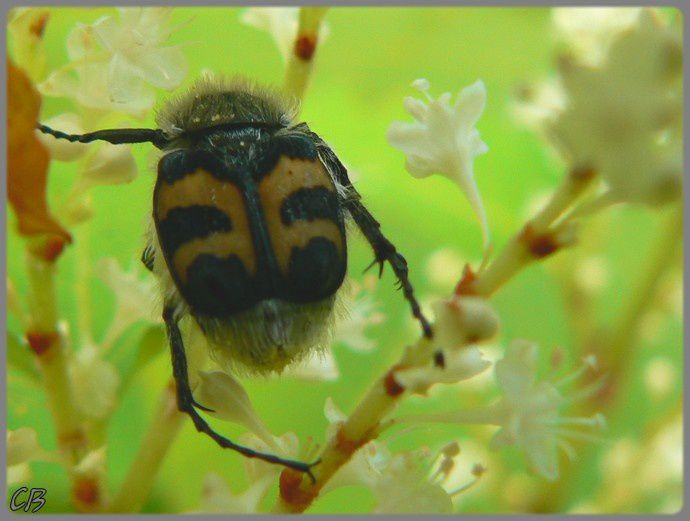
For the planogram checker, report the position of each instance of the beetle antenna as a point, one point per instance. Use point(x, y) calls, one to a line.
point(118, 136)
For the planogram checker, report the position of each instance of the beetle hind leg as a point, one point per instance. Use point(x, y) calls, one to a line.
point(187, 404)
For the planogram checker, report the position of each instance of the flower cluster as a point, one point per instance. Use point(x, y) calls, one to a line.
point(617, 105)
point(114, 63)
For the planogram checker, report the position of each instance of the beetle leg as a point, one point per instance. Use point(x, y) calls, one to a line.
point(186, 403)
point(385, 251)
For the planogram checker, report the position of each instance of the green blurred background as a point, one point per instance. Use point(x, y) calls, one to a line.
point(362, 71)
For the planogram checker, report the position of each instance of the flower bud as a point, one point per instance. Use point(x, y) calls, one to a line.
point(463, 320)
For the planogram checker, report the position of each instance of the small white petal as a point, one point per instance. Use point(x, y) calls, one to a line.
point(332, 412)
point(421, 85)
point(470, 103)
point(164, 68)
point(110, 165)
point(415, 107)
point(280, 22)
point(516, 372)
point(460, 364)
point(229, 401)
point(61, 149)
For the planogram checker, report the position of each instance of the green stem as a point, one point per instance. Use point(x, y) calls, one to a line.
point(664, 252)
point(157, 441)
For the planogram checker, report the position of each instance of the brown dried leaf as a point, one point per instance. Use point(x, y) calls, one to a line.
point(27, 158)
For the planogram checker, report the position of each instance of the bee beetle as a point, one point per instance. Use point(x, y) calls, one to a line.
point(248, 235)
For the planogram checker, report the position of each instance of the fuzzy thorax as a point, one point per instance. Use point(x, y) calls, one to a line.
point(213, 101)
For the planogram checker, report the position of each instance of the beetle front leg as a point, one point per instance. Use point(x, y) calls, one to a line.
point(385, 251)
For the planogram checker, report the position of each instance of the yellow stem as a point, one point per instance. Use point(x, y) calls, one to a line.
point(364, 424)
point(48, 345)
point(301, 59)
point(533, 241)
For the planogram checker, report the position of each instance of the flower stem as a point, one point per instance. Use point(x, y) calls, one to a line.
point(157, 441)
point(536, 240)
point(301, 60)
point(48, 345)
point(615, 352)
point(363, 425)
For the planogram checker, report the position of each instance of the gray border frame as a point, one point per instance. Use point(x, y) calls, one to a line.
point(681, 5)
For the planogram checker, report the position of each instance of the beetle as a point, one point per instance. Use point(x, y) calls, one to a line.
point(249, 230)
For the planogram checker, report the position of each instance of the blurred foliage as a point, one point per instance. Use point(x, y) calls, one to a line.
point(362, 72)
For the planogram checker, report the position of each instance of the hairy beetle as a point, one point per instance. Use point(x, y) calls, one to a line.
point(248, 235)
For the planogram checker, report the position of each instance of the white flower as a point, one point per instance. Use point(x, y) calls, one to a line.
point(116, 61)
point(405, 487)
point(443, 139)
point(460, 321)
point(590, 31)
point(405, 482)
point(529, 412)
point(94, 383)
point(281, 23)
point(228, 400)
